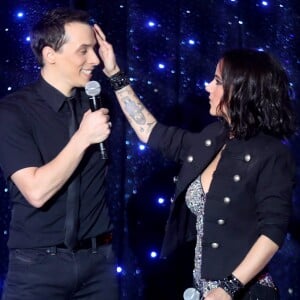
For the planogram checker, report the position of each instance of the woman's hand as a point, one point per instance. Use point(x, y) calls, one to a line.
point(106, 53)
point(217, 294)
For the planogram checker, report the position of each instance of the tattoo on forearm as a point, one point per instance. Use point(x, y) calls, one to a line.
point(134, 110)
point(149, 126)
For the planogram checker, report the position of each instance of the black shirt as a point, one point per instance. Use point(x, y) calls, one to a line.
point(33, 130)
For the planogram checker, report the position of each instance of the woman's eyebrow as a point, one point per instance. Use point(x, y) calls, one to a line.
point(218, 77)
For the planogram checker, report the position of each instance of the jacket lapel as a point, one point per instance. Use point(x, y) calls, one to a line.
point(199, 156)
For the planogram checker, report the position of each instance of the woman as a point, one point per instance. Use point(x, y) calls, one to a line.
point(234, 187)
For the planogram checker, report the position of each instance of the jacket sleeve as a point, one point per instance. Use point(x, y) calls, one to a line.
point(174, 143)
point(274, 194)
point(171, 141)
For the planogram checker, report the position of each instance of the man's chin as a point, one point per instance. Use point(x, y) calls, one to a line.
point(82, 83)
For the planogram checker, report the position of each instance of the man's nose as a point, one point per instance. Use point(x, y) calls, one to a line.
point(94, 59)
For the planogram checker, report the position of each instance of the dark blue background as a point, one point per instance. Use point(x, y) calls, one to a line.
point(187, 37)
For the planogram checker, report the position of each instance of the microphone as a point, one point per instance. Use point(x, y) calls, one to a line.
point(191, 294)
point(93, 89)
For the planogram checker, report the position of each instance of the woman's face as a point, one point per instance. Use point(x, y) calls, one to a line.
point(216, 91)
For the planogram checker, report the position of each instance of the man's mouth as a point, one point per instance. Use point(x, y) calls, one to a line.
point(87, 72)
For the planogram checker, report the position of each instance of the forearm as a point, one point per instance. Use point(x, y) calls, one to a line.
point(39, 184)
point(140, 119)
point(256, 259)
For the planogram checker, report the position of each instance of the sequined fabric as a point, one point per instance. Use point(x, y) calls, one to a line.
point(195, 200)
point(266, 280)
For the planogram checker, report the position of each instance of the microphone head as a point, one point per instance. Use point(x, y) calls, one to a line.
point(93, 88)
point(191, 294)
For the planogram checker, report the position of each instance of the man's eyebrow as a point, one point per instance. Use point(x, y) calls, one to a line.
point(85, 45)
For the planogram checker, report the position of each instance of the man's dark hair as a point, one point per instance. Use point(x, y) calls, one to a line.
point(50, 29)
point(256, 94)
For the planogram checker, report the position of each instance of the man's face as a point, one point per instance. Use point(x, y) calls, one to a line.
point(76, 59)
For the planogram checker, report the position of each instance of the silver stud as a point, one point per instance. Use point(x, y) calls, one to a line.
point(175, 179)
point(215, 245)
point(236, 178)
point(221, 222)
point(190, 158)
point(171, 199)
point(247, 157)
point(207, 143)
point(227, 200)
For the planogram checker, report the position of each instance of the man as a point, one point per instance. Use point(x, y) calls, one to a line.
point(56, 176)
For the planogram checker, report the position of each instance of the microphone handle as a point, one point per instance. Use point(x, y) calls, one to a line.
point(95, 104)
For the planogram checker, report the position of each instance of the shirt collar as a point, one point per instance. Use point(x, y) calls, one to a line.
point(53, 97)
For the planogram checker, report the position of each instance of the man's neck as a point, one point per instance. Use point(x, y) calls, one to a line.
point(52, 79)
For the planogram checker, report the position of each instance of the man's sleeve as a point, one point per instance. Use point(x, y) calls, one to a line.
point(17, 147)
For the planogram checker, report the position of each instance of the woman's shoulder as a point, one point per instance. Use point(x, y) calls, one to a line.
point(262, 146)
point(267, 147)
point(266, 142)
point(214, 127)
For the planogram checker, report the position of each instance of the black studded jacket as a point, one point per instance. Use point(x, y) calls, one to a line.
point(250, 193)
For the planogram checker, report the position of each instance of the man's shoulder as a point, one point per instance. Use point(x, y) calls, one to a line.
point(18, 98)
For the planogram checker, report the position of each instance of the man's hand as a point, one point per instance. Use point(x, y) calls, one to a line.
point(106, 53)
point(94, 127)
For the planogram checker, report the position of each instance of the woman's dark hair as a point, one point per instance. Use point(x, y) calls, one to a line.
point(50, 29)
point(256, 94)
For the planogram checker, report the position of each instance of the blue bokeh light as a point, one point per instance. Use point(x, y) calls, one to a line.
point(142, 147)
point(160, 200)
point(20, 14)
point(151, 24)
point(153, 254)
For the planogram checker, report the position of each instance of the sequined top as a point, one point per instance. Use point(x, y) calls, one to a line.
point(195, 200)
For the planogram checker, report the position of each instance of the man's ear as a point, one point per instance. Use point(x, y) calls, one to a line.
point(48, 55)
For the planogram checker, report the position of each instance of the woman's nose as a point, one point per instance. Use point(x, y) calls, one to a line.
point(207, 87)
